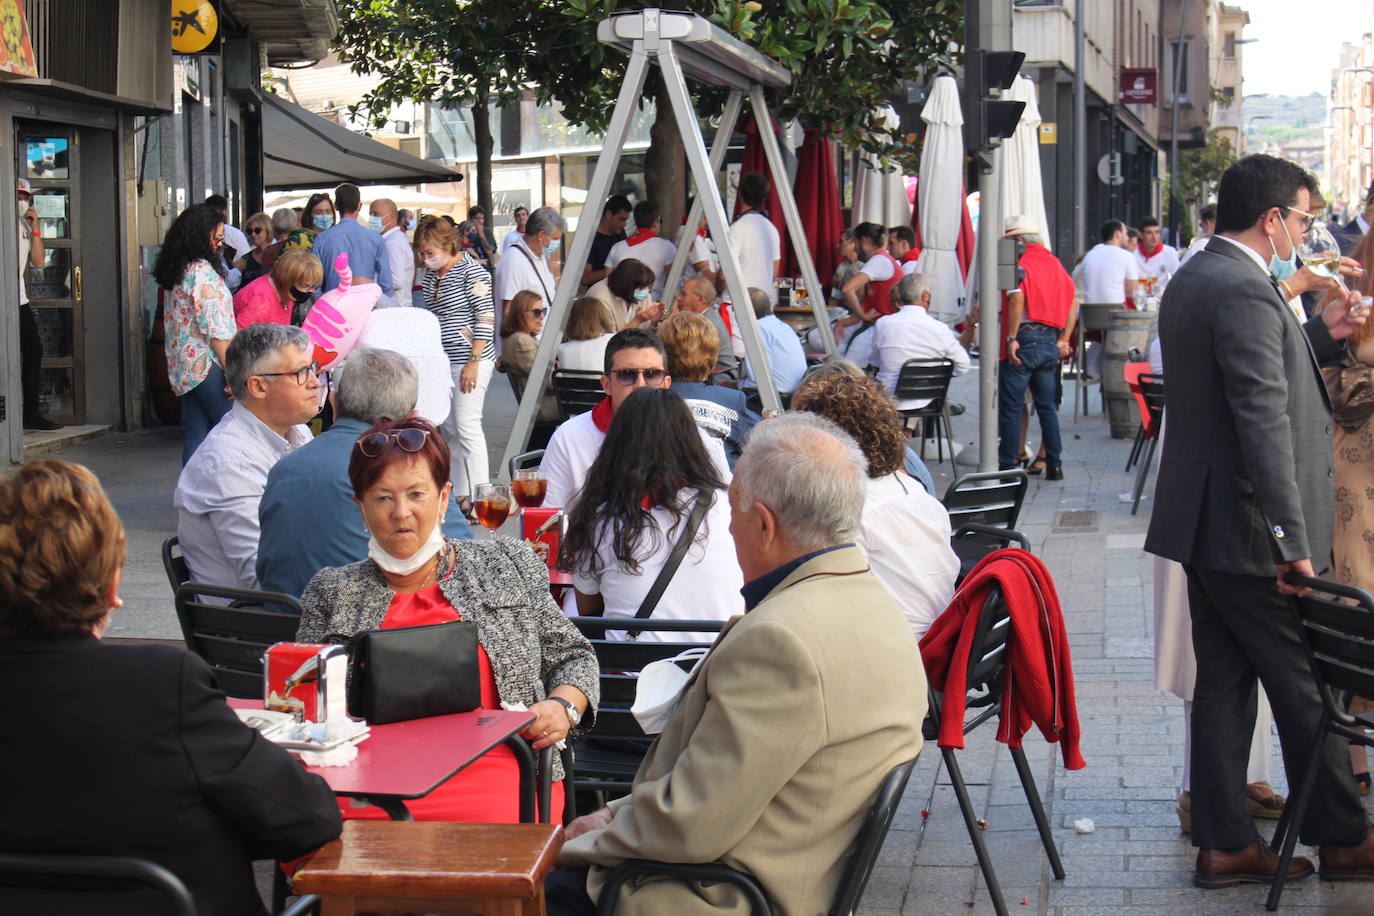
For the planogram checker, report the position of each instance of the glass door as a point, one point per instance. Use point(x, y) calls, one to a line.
point(47, 158)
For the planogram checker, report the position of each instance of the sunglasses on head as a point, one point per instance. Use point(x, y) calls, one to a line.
point(409, 439)
point(630, 376)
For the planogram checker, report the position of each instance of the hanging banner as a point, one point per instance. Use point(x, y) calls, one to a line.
point(16, 50)
point(195, 26)
point(1139, 86)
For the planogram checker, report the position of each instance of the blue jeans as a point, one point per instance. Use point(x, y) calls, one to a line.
point(201, 409)
point(1039, 354)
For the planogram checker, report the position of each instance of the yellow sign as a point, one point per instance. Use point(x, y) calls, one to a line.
point(1049, 134)
point(195, 26)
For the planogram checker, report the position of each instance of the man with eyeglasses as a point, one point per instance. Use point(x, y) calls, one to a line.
point(276, 389)
point(1245, 496)
point(635, 358)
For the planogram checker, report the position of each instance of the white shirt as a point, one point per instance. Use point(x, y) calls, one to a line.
point(23, 263)
point(905, 532)
point(757, 246)
point(514, 273)
point(786, 359)
point(1196, 245)
point(706, 586)
point(1103, 272)
point(584, 355)
point(656, 253)
point(235, 239)
point(911, 333)
point(218, 493)
point(703, 249)
point(879, 269)
point(402, 260)
point(416, 335)
point(511, 238)
point(1166, 259)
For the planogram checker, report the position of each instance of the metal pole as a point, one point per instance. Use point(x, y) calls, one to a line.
point(791, 217)
point(616, 134)
point(1080, 134)
point(989, 321)
point(715, 219)
point(1179, 50)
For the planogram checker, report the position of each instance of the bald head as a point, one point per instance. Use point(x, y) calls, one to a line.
point(384, 208)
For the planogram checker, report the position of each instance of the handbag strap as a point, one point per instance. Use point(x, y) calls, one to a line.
point(665, 575)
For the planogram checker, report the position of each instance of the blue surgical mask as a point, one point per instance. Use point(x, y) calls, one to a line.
point(553, 246)
point(1279, 268)
point(641, 295)
point(374, 223)
point(323, 221)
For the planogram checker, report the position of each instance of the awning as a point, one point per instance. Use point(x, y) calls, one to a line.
point(304, 150)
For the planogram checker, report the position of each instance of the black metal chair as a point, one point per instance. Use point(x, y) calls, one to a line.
point(178, 573)
point(233, 628)
point(972, 542)
point(985, 685)
point(927, 379)
point(576, 392)
point(865, 849)
point(990, 498)
point(1337, 624)
point(524, 461)
point(1152, 391)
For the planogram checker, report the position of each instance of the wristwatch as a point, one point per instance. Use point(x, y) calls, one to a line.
point(573, 715)
point(1011, 339)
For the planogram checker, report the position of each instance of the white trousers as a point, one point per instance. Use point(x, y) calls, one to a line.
point(463, 430)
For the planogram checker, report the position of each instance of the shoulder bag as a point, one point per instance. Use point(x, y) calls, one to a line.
point(414, 672)
point(665, 575)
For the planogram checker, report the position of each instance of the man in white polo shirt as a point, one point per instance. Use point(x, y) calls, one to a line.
point(1154, 258)
point(524, 266)
point(912, 333)
point(1107, 275)
point(646, 246)
point(755, 239)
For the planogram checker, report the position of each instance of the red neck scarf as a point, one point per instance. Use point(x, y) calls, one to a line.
point(641, 235)
point(601, 414)
point(1147, 252)
point(913, 255)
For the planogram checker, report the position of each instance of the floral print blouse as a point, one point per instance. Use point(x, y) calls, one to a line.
point(196, 311)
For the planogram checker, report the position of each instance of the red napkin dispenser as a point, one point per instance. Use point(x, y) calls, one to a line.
point(305, 678)
point(531, 520)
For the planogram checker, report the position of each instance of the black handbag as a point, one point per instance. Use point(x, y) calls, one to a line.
point(414, 672)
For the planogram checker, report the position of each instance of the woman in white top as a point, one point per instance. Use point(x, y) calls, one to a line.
point(588, 331)
point(905, 531)
point(637, 501)
point(628, 294)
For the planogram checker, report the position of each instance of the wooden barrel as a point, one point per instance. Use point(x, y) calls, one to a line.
point(1127, 329)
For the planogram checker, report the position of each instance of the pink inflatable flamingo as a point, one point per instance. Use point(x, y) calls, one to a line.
point(340, 315)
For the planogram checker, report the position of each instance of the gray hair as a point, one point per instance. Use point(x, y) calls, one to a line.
point(284, 220)
point(255, 350)
point(1031, 238)
point(761, 301)
point(697, 285)
point(377, 383)
point(810, 473)
point(910, 288)
point(545, 219)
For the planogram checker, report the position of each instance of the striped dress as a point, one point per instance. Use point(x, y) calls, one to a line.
point(461, 299)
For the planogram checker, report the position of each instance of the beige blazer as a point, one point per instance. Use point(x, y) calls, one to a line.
point(777, 748)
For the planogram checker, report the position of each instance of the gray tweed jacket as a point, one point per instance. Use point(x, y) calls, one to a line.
point(501, 586)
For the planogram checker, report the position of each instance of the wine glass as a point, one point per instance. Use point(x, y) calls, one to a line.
point(1321, 255)
point(529, 487)
point(493, 505)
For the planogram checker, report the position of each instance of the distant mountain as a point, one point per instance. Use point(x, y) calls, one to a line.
point(1284, 118)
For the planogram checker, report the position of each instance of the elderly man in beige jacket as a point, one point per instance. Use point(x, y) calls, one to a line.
point(782, 737)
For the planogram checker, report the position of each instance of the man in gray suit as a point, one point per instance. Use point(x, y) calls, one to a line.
point(1244, 497)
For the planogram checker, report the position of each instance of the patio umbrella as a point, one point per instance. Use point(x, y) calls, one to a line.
point(1022, 192)
point(880, 197)
point(941, 198)
point(818, 200)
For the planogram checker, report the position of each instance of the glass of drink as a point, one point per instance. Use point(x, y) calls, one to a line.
point(1321, 255)
point(529, 488)
point(493, 504)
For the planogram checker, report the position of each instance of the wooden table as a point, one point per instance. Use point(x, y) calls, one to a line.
point(433, 867)
point(407, 760)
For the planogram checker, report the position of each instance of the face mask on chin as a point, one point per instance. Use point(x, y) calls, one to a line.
point(1280, 268)
point(404, 566)
point(434, 262)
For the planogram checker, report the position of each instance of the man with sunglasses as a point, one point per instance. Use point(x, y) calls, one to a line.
point(277, 389)
point(1245, 497)
point(634, 359)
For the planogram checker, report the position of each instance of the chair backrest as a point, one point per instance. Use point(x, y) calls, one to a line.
point(231, 628)
point(1133, 371)
point(178, 573)
point(56, 884)
point(924, 378)
point(988, 498)
point(576, 392)
point(869, 842)
point(1152, 394)
point(1338, 635)
point(525, 460)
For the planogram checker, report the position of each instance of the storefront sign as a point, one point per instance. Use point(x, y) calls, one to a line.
point(1049, 133)
point(195, 26)
point(1139, 86)
point(16, 51)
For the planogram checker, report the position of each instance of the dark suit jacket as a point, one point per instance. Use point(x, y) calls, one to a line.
point(1245, 481)
point(120, 750)
point(1348, 236)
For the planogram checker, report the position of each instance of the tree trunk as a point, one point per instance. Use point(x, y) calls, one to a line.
point(481, 132)
point(665, 165)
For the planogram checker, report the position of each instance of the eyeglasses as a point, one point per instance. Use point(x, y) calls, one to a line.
point(302, 374)
point(1308, 218)
point(409, 439)
point(256, 231)
point(630, 376)
point(539, 313)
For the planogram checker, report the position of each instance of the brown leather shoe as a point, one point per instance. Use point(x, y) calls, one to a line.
point(1255, 864)
point(1348, 863)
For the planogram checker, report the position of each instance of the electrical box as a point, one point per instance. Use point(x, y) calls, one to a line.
point(155, 212)
point(1009, 251)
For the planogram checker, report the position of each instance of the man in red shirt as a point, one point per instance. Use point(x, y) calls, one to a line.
point(1040, 316)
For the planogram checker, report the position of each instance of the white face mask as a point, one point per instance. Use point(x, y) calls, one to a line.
point(404, 566)
point(434, 262)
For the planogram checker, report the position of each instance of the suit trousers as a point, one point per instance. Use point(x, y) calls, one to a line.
point(1243, 629)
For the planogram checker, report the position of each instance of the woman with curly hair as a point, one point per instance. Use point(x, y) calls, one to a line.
point(905, 531)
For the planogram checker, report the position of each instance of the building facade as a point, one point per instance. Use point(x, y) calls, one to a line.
point(1350, 127)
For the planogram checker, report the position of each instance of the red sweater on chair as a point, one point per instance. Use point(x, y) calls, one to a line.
point(1038, 685)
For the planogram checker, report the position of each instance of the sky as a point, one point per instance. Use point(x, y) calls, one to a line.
point(1277, 65)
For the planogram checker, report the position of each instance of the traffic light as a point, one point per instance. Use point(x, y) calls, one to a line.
point(1010, 273)
point(987, 120)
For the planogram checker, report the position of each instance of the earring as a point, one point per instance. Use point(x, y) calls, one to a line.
point(118, 603)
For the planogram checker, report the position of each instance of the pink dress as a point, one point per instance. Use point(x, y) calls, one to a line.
point(257, 303)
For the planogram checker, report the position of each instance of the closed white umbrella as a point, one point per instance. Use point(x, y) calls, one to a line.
point(880, 197)
point(1023, 193)
point(941, 199)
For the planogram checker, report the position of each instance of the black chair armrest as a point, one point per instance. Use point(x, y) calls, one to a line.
point(1005, 535)
point(569, 783)
point(307, 903)
point(710, 871)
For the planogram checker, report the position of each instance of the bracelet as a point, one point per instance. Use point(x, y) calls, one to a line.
point(1287, 293)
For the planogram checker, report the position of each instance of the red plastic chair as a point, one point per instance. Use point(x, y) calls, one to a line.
point(1132, 373)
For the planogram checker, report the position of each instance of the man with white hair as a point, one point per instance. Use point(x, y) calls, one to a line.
point(912, 333)
point(775, 750)
point(525, 265)
point(308, 515)
point(698, 295)
point(276, 388)
point(783, 351)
